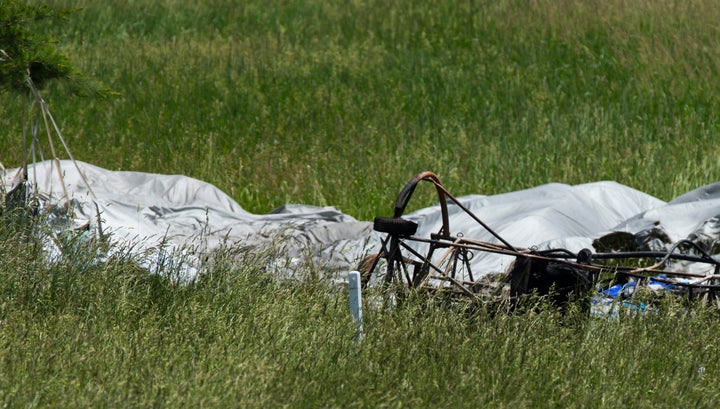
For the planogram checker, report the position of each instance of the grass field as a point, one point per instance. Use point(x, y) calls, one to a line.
point(340, 103)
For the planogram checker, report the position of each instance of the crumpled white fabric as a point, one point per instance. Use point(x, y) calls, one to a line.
point(178, 212)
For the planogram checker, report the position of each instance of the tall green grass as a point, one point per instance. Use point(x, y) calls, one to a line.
point(340, 103)
point(109, 334)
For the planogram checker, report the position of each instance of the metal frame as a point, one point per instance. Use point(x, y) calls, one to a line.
point(446, 266)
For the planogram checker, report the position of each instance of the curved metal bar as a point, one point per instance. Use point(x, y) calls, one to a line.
point(406, 193)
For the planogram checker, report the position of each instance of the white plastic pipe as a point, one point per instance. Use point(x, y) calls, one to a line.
point(355, 290)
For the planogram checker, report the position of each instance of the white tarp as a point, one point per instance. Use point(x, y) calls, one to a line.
point(181, 212)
